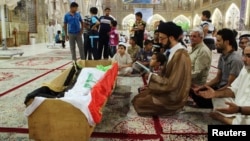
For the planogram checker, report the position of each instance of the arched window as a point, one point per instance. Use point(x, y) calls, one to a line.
point(197, 20)
point(151, 21)
point(182, 21)
point(128, 22)
point(232, 17)
point(217, 19)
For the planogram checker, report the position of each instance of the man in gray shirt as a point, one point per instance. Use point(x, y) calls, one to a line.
point(229, 66)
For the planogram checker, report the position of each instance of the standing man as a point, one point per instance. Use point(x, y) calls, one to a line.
point(139, 29)
point(50, 31)
point(208, 29)
point(87, 45)
point(167, 92)
point(105, 22)
point(73, 26)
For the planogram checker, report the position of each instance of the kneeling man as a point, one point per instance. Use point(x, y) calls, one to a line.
point(167, 93)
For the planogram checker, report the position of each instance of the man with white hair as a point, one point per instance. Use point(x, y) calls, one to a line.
point(200, 58)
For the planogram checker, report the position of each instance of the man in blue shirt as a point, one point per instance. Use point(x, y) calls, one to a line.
point(93, 33)
point(59, 39)
point(105, 22)
point(73, 26)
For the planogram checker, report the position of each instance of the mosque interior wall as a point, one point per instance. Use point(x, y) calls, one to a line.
point(19, 24)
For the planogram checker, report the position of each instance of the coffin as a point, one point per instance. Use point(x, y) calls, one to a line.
point(56, 120)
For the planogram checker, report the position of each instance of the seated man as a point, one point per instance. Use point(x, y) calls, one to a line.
point(58, 39)
point(229, 66)
point(157, 47)
point(124, 60)
point(237, 94)
point(167, 93)
point(133, 49)
point(243, 41)
point(200, 58)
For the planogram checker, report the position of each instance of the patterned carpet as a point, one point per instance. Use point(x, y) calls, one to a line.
point(120, 121)
point(18, 77)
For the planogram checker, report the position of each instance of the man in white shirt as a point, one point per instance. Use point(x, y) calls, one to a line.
point(231, 105)
point(51, 32)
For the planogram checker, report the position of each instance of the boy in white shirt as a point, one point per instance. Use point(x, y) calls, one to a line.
point(124, 60)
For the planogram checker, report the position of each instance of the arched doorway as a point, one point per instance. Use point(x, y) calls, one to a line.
point(182, 21)
point(232, 17)
point(128, 22)
point(197, 20)
point(217, 19)
point(151, 21)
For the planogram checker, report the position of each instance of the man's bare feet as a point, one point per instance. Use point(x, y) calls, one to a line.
point(219, 117)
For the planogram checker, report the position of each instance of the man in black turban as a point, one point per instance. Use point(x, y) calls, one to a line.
point(167, 93)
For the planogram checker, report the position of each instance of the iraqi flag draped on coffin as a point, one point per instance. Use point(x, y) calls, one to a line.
point(89, 94)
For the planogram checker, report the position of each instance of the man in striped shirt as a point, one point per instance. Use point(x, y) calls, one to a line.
point(105, 22)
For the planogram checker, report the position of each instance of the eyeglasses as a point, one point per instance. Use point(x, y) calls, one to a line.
point(162, 38)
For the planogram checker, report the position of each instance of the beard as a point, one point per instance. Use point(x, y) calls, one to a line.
point(219, 50)
point(167, 45)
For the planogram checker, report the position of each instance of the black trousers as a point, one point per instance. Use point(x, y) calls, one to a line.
point(200, 101)
point(139, 40)
point(87, 47)
point(203, 102)
point(63, 43)
point(103, 47)
point(210, 43)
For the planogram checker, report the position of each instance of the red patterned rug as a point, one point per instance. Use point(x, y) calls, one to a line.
point(37, 63)
point(120, 122)
point(9, 78)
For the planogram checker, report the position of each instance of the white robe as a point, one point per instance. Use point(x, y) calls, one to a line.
point(241, 89)
point(50, 31)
